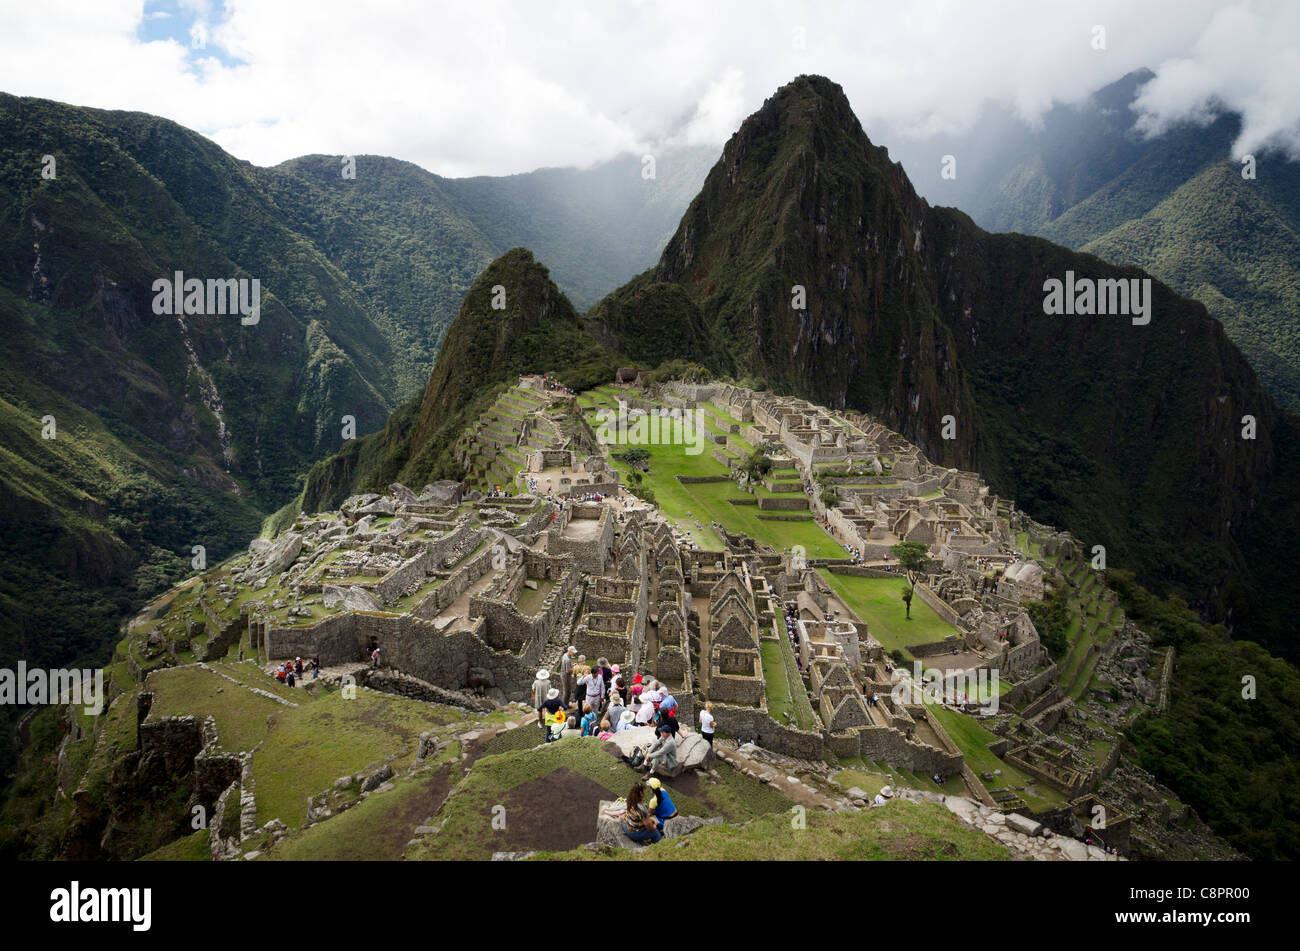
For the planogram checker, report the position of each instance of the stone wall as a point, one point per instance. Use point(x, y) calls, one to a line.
point(508, 629)
point(891, 746)
point(775, 503)
point(414, 646)
point(940, 606)
point(749, 723)
point(405, 685)
point(410, 572)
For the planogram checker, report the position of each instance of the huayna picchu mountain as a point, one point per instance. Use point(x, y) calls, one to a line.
point(1128, 433)
point(809, 264)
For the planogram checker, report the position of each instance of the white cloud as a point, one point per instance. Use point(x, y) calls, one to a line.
point(498, 87)
point(1245, 61)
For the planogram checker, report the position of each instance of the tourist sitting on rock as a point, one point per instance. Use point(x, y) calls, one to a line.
point(639, 822)
point(663, 755)
point(605, 731)
point(550, 714)
point(660, 805)
point(886, 793)
point(626, 720)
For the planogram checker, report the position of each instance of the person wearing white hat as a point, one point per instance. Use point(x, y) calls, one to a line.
point(540, 686)
point(550, 714)
point(886, 793)
point(626, 721)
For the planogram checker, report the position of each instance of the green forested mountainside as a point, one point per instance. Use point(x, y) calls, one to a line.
point(169, 431)
point(1229, 742)
point(1127, 435)
point(1175, 205)
point(398, 236)
point(486, 349)
point(1221, 239)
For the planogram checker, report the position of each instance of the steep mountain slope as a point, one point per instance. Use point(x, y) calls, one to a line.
point(1128, 435)
point(513, 321)
point(1176, 205)
point(1219, 238)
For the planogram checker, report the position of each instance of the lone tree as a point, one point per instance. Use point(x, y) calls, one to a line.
point(914, 558)
point(756, 465)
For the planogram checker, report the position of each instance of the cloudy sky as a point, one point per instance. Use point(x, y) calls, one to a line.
point(498, 87)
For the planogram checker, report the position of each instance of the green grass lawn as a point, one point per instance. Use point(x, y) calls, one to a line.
point(466, 816)
point(240, 714)
point(779, 702)
point(708, 502)
point(878, 601)
point(307, 748)
point(973, 739)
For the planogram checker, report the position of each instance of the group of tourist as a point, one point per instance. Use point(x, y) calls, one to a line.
point(600, 700)
point(290, 672)
point(792, 631)
point(551, 383)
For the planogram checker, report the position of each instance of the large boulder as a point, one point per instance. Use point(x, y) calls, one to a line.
point(693, 751)
point(609, 827)
point(354, 502)
point(627, 740)
point(685, 825)
point(381, 506)
point(443, 492)
point(350, 598)
point(282, 553)
point(401, 493)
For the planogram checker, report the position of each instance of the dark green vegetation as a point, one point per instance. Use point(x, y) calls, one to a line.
point(180, 432)
point(1230, 741)
point(1175, 205)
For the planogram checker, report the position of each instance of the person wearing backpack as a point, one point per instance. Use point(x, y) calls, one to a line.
point(589, 721)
